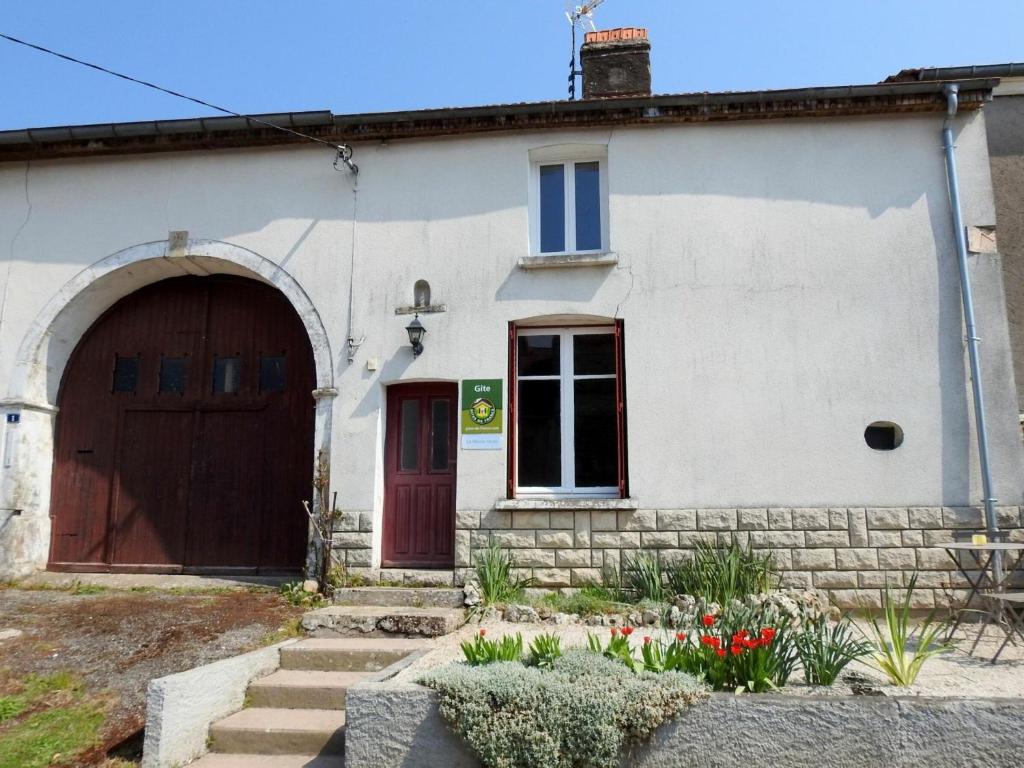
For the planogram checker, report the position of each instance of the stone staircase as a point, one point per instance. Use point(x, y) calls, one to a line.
point(295, 717)
point(388, 611)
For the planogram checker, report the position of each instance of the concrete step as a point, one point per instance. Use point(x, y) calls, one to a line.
point(375, 620)
point(218, 760)
point(400, 597)
point(303, 689)
point(349, 654)
point(269, 731)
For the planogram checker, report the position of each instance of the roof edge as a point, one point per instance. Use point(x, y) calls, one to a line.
point(932, 74)
point(239, 132)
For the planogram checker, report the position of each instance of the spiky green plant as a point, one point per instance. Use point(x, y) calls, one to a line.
point(720, 574)
point(825, 649)
point(900, 652)
point(544, 649)
point(643, 575)
point(480, 650)
point(493, 567)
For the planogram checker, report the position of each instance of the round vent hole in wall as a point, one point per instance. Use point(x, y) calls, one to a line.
point(883, 436)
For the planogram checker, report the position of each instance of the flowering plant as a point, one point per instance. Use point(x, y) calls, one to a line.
point(731, 652)
point(617, 646)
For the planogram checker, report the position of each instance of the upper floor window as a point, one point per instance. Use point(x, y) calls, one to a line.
point(569, 194)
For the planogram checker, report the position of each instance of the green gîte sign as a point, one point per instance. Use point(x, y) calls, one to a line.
point(482, 414)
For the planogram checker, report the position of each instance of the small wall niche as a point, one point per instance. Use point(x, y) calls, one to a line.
point(883, 436)
point(421, 301)
point(421, 294)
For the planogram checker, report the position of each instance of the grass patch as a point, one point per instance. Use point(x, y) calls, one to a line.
point(191, 591)
point(76, 587)
point(46, 719)
point(589, 601)
point(11, 707)
point(32, 690)
point(81, 588)
point(40, 738)
point(291, 628)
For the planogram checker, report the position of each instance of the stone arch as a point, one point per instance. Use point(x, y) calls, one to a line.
point(55, 332)
point(60, 324)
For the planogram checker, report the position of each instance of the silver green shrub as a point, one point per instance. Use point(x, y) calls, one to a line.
point(581, 712)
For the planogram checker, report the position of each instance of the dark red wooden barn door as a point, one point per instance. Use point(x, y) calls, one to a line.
point(185, 433)
point(419, 490)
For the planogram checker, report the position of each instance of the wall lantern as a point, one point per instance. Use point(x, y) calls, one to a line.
point(416, 330)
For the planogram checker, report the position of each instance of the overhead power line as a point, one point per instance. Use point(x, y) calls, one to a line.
point(344, 150)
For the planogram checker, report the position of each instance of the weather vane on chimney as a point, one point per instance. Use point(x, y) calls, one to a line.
point(579, 16)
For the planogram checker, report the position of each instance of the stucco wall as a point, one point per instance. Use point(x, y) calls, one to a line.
point(1004, 118)
point(782, 283)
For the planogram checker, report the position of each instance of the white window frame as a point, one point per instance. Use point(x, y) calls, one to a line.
point(567, 155)
point(567, 413)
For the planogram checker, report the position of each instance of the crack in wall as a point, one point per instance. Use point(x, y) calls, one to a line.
point(14, 240)
point(629, 291)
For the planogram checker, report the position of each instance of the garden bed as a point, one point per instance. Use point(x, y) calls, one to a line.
point(620, 674)
point(961, 711)
point(949, 675)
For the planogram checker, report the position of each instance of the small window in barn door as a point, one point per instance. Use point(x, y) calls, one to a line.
point(272, 373)
point(172, 375)
point(126, 374)
point(227, 375)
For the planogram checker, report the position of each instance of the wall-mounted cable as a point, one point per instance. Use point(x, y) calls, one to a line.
point(344, 151)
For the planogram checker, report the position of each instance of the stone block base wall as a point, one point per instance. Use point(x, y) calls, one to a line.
point(849, 552)
point(353, 539)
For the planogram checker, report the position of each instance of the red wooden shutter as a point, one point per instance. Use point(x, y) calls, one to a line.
point(620, 407)
point(511, 413)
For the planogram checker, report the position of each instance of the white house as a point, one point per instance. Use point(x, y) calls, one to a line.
point(649, 320)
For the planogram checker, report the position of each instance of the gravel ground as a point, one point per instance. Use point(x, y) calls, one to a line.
point(117, 641)
point(954, 674)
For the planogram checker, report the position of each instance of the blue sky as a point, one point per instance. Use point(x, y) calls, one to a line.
point(361, 56)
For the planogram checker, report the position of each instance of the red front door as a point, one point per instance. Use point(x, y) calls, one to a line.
point(419, 482)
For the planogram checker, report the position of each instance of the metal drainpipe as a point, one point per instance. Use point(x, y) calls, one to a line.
point(991, 523)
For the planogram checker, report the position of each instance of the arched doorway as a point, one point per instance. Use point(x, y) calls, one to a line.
point(184, 434)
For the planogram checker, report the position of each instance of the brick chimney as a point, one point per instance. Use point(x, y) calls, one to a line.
point(616, 62)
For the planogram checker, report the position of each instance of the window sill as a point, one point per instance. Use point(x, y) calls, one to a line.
point(562, 260)
point(523, 505)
